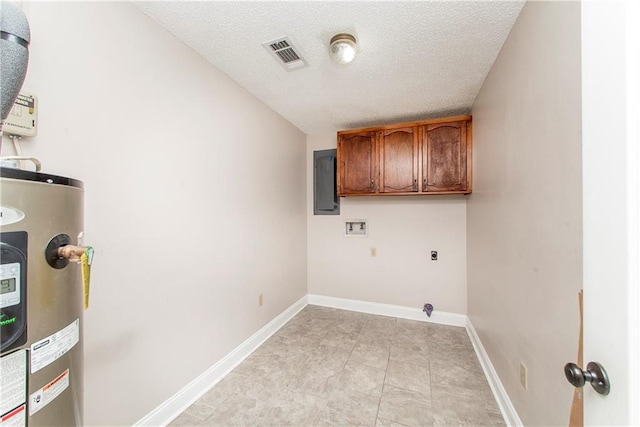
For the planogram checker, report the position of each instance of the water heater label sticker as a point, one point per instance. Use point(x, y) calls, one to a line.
point(13, 382)
point(16, 418)
point(46, 351)
point(46, 394)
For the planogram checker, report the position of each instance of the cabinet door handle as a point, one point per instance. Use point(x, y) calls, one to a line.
point(424, 184)
point(415, 185)
point(372, 186)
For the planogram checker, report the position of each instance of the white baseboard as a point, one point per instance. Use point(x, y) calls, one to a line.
point(179, 402)
point(507, 409)
point(441, 317)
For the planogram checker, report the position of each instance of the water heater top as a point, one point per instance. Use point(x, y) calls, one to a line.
point(39, 177)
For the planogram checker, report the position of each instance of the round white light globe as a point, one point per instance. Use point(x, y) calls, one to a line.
point(342, 48)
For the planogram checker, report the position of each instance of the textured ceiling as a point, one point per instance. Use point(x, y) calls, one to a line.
point(415, 60)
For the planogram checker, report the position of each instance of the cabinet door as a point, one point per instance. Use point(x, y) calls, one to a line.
point(444, 157)
point(399, 160)
point(356, 153)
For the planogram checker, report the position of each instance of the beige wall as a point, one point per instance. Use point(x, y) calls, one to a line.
point(524, 223)
point(195, 199)
point(403, 229)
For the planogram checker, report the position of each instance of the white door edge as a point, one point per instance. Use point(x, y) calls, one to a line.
point(632, 55)
point(610, 46)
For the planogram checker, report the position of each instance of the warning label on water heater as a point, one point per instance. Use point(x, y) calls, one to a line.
point(13, 388)
point(46, 394)
point(15, 418)
point(55, 346)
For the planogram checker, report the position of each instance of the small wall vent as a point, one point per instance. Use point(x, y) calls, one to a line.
point(283, 50)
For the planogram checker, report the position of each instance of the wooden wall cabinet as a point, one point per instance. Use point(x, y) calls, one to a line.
point(444, 157)
point(398, 153)
point(357, 171)
point(425, 157)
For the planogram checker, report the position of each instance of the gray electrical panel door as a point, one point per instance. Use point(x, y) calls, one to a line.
point(325, 195)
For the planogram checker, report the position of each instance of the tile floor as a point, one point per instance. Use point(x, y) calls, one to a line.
point(342, 368)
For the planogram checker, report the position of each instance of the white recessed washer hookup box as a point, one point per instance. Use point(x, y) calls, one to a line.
point(356, 228)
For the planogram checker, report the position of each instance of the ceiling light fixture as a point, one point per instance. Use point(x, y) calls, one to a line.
point(342, 48)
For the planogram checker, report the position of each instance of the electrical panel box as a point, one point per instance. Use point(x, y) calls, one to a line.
point(325, 192)
point(23, 118)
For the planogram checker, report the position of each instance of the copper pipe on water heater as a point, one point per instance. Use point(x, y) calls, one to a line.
point(71, 252)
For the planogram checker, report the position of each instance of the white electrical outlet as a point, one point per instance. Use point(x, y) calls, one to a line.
point(523, 375)
point(260, 300)
point(374, 252)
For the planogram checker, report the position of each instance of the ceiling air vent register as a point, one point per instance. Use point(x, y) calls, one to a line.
point(283, 50)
